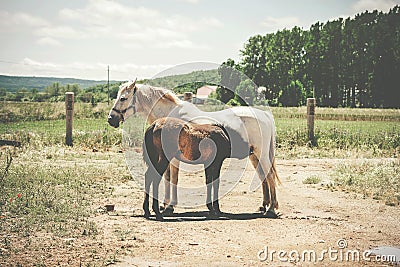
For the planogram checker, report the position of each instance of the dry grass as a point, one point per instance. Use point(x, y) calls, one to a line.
point(379, 181)
point(46, 204)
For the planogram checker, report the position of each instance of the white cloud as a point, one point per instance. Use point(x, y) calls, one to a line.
point(34, 63)
point(96, 71)
point(190, 1)
point(381, 5)
point(64, 32)
point(140, 26)
point(111, 20)
point(11, 21)
point(182, 44)
point(273, 24)
point(48, 41)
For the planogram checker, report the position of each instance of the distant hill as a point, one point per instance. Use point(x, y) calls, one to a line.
point(13, 83)
point(173, 82)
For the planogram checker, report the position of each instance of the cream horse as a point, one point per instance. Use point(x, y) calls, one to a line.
point(245, 125)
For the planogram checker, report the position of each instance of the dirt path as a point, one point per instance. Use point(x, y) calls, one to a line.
point(313, 218)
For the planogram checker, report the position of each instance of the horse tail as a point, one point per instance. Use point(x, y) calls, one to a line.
point(272, 158)
point(275, 173)
point(150, 155)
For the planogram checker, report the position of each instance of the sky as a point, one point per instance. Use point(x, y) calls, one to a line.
point(138, 38)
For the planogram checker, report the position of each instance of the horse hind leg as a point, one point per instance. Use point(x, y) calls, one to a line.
point(212, 180)
point(265, 188)
point(209, 192)
point(215, 202)
point(160, 169)
point(171, 182)
point(272, 180)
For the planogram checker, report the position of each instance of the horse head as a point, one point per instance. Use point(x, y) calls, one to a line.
point(124, 105)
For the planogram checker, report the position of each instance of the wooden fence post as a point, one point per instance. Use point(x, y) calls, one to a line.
point(310, 120)
point(188, 96)
point(69, 114)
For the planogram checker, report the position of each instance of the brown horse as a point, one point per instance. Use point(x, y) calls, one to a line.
point(169, 138)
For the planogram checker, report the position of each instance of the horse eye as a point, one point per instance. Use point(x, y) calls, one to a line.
point(123, 99)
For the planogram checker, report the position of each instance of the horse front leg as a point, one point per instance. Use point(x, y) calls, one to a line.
point(167, 186)
point(156, 207)
point(147, 182)
point(174, 169)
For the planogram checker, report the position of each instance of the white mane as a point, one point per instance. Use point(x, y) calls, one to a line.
point(152, 93)
point(149, 93)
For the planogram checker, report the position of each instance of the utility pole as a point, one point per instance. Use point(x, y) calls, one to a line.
point(108, 84)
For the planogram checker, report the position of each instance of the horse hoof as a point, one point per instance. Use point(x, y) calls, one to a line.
point(146, 215)
point(262, 209)
point(214, 213)
point(169, 210)
point(159, 217)
point(271, 214)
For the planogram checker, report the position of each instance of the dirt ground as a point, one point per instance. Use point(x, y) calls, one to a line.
point(333, 224)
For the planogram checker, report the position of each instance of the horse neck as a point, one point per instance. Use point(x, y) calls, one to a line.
point(161, 109)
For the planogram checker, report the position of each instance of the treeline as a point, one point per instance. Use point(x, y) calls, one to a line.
point(188, 82)
point(353, 62)
point(56, 92)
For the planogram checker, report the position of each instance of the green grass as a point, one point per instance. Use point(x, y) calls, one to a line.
point(87, 133)
point(312, 180)
point(379, 181)
point(342, 114)
point(373, 132)
point(38, 111)
point(375, 138)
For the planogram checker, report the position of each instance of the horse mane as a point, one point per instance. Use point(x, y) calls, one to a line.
point(150, 93)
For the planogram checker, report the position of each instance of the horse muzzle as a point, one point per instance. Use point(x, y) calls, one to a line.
point(114, 121)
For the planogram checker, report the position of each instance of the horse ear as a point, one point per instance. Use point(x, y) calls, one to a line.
point(132, 85)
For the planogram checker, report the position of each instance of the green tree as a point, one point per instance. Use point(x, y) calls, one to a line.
point(293, 95)
point(230, 79)
point(245, 93)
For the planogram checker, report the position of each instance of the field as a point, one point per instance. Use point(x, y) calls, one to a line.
point(52, 197)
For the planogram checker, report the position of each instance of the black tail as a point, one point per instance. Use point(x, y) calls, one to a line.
point(150, 155)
